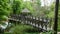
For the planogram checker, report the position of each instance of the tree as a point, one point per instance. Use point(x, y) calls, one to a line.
point(17, 6)
point(4, 8)
point(29, 6)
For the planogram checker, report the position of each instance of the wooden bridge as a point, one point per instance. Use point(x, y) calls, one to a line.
point(41, 23)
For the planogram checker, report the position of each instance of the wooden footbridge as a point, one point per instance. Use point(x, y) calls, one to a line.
point(41, 23)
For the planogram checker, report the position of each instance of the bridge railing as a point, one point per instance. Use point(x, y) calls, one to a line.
point(39, 22)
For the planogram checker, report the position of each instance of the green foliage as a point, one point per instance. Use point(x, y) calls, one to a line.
point(17, 6)
point(4, 7)
point(29, 6)
point(50, 11)
point(4, 18)
point(22, 29)
point(59, 18)
point(52, 14)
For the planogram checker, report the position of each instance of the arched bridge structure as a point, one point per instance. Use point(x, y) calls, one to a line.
point(41, 23)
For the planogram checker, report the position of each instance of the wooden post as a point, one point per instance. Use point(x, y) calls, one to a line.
point(38, 22)
point(42, 23)
point(35, 21)
point(56, 17)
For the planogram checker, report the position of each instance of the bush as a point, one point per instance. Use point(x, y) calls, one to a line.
point(22, 29)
